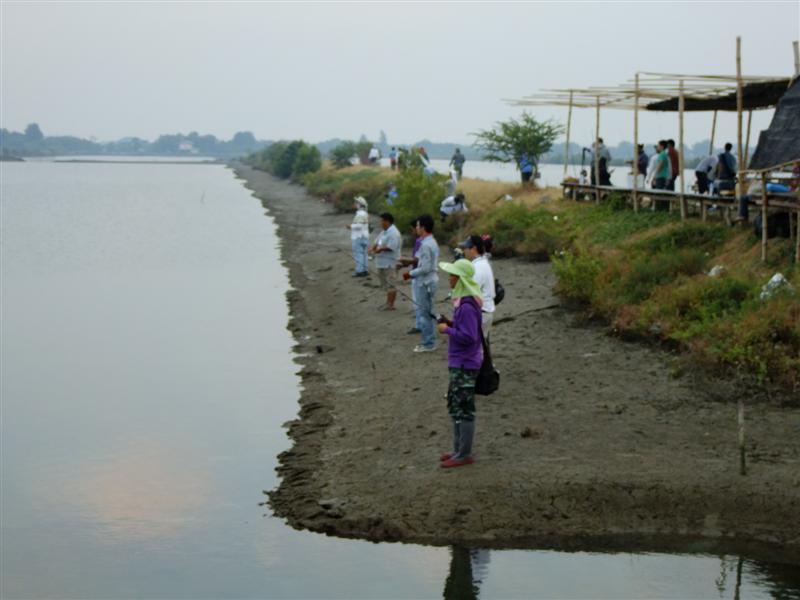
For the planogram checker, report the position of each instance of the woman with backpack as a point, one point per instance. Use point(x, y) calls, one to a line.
point(464, 358)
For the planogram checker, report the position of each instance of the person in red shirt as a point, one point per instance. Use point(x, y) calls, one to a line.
point(675, 164)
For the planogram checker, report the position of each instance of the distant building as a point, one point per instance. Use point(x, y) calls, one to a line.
point(186, 146)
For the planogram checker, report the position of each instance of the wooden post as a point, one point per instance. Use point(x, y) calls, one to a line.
point(797, 240)
point(739, 104)
point(636, 146)
point(713, 131)
point(764, 213)
point(596, 156)
point(681, 105)
point(747, 138)
point(569, 124)
point(796, 48)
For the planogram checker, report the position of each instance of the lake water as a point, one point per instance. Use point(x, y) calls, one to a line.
point(146, 372)
point(551, 175)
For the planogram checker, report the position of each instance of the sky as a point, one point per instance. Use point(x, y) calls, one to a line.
point(317, 70)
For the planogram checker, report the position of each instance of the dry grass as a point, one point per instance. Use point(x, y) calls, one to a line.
point(483, 196)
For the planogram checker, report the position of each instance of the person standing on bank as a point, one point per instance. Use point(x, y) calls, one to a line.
point(475, 251)
point(387, 252)
point(457, 162)
point(426, 279)
point(359, 236)
point(464, 358)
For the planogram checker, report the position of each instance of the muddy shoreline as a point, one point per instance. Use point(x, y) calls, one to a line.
point(591, 442)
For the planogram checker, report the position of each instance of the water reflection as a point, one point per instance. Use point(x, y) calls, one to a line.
point(140, 494)
point(468, 570)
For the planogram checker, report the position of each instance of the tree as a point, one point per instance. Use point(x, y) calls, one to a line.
point(509, 140)
point(33, 133)
point(342, 154)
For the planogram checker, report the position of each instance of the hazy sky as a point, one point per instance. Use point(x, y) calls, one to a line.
point(322, 70)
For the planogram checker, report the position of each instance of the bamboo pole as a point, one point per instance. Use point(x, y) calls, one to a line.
point(596, 155)
point(747, 138)
point(796, 48)
point(569, 125)
point(681, 106)
point(713, 131)
point(739, 103)
point(797, 240)
point(636, 147)
point(764, 213)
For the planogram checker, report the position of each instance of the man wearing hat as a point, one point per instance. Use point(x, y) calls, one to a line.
point(474, 249)
point(464, 358)
point(359, 236)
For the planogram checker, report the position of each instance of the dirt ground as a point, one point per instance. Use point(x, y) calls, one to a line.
point(590, 441)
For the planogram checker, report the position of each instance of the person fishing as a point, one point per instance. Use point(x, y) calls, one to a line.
point(359, 236)
point(426, 279)
point(464, 358)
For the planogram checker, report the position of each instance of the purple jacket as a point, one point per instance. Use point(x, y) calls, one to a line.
point(464, 350)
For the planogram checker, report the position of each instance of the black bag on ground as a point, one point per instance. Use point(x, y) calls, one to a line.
point(488, 380)
point(499, 291)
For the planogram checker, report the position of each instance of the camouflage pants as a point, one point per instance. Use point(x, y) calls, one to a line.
point(461, 394)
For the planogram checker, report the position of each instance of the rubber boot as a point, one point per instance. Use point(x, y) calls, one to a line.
point(465, 439)
point(456, 437)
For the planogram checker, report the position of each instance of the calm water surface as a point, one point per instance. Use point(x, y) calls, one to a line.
point(146, 371)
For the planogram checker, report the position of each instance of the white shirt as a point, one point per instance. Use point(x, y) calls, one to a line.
point(484, 277)
point(708, 165)
point(373, 153)
point(651, 165)
point(359, 228)
point(450, 206)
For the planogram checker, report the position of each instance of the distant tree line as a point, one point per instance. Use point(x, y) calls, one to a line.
point(32, 142)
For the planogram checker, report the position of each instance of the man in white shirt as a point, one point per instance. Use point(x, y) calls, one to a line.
point(387, 252)
point(452, 204)
point(704, 173)
point(359, 236)
point(475, 251)
point(374, 155)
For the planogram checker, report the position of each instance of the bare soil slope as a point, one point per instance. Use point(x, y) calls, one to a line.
point(589, 440)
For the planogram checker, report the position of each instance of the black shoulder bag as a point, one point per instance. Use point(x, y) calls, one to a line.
point(488, 380)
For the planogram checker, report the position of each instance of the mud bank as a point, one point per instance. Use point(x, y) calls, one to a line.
point(590, 442)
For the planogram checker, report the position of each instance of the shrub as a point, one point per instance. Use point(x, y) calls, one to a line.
point(417, 194)
point(307, 160)
point(577, 274)
point(288, 159)
point(341, 156)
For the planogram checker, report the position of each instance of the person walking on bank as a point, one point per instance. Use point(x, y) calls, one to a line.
point(387, 252)
point(426, 279)
point(464, 358)
point(359, 236)
point(475, 251)
point(457, 162)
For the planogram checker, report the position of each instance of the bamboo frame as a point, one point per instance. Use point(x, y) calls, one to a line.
point(636, 148)
point(596, 154)
point(764, 216)
point(739, 101)
point(747, 139)
point(569, 124)
point(681, 106)
point(713, 131)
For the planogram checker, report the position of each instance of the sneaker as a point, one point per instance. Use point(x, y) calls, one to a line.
point(413, 330)
point(361, 274)
point(421, 348)
point(459, 462)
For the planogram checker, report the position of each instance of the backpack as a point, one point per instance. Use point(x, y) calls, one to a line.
point(488, 380)
point(499, 291)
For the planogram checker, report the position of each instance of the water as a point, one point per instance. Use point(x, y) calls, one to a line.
point(551, 175)
point(146, 374)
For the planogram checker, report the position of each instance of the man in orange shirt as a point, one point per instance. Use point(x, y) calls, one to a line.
point(675, 164)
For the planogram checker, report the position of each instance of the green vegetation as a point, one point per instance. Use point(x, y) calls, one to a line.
point(340, 186)
point(342, 154)
point(509, 140)
point(288, 160)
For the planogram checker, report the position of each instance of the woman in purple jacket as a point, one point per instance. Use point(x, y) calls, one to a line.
point(464, 358)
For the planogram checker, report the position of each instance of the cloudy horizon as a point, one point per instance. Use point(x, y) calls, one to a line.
point(339, 70)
